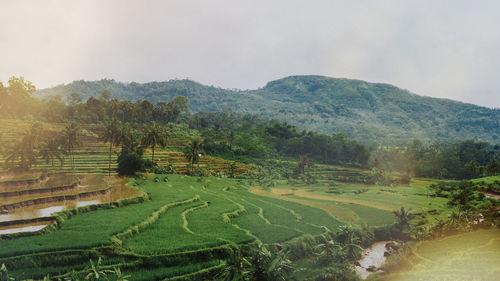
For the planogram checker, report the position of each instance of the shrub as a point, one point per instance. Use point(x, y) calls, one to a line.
point(130, 162)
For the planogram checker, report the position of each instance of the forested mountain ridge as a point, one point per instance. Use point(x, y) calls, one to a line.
point(365, 111)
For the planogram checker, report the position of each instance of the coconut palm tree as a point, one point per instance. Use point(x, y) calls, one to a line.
point(25, 149)
point(155, 135)
point(403, 218)
point(110, 134)
point(192, 153)
point(70, 140)
point(50, 150)
point(128, 138)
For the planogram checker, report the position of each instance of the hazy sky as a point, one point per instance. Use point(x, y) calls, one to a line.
point(439, 48)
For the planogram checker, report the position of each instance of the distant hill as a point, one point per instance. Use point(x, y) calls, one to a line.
point(365, 111)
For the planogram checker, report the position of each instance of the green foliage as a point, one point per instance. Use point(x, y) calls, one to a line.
point(458, 160)
point(364, 111)
point(269, 266)
point(155, 135)
point(192, 153)
point(131, 162)
point(4, 274)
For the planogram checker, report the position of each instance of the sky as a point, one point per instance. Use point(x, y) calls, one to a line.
point(446, 49)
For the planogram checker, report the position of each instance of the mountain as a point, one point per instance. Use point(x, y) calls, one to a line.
point(365, 111)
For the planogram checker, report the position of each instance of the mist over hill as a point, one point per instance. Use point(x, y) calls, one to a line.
point(368, 112)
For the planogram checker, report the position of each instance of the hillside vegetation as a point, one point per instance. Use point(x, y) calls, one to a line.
point(364, 111)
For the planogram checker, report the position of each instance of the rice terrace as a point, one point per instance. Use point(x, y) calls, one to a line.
point(190, 216)
point(263, 164)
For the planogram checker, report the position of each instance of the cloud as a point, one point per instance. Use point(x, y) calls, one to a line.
point(446, 49)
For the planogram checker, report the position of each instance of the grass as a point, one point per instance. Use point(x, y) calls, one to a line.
point(262, 228)
point(169, 235)
point(414, 197)
point(360, 214)
point(187, 216)
point(487, 180)
point(95, 228)
point(159, 273)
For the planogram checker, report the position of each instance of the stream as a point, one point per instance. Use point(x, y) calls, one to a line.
point(372, 259)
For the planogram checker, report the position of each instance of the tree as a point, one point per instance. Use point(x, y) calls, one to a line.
point(403, 219)
point(128, 137)
point(269, 266)
point(22, 151)
point(25, 149)
point(175, 107)
point(50, 150)
point(130, 162)
point(192, 153)
point(70, 140)
point(281, 133)
point(303, 162)
point(236, 269)
point(155, 135)
point(110, 134)
point(329, 251)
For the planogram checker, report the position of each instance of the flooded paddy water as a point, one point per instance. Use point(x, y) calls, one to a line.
point(29, 208)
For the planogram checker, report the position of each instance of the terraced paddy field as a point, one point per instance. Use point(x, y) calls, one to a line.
point(188, 226)
point(30, 205)
point(468, 256)
point(362, 204)
point(92, 155)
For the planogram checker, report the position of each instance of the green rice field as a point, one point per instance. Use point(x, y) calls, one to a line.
point(189, 224)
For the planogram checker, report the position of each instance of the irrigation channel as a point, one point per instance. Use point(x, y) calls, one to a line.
point(30, 205)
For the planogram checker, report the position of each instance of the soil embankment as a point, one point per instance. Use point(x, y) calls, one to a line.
point(61, 198)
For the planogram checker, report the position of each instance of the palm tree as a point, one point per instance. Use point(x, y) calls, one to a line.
point(403, 218)
point(236, 269)
point(155, 135)
point(50, 150)
point(303, 162)
point(269, 266)
point(328, 251)
point(25, 149)
point(344, 247)
point(111, 134)
point(128, 138)
point(70, 140)
point(192, 153)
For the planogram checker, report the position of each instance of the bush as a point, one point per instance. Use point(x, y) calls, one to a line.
point(130, 162)
point(164, 170)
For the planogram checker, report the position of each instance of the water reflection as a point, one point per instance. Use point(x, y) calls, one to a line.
point(30, 228)
point(93, 190)
point(87, 203)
